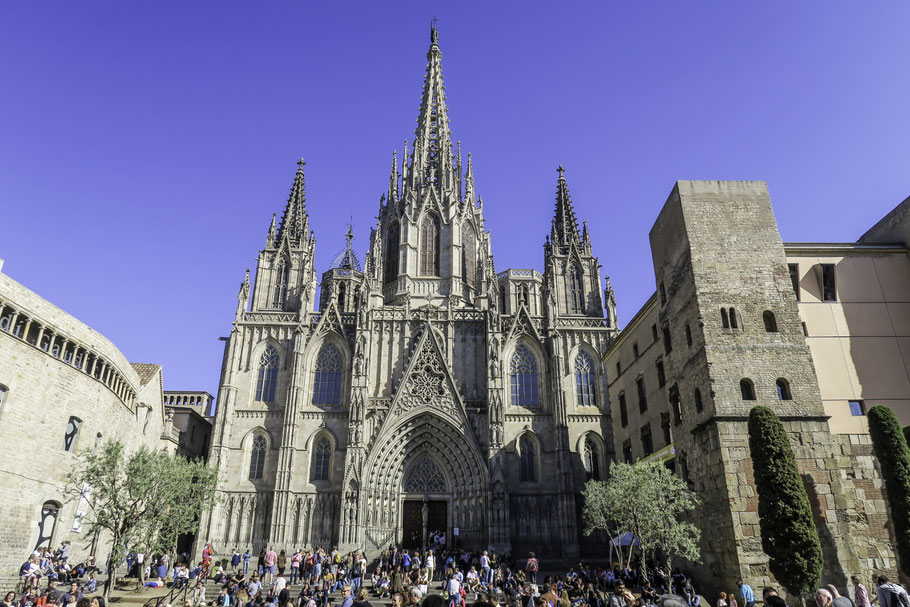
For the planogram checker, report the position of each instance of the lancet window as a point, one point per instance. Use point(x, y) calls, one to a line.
point(523, 370)
point(591, 460)
point(527, 457)
point(576, 290)
point(327, 381)
point(390, 270)
point(469, 255)
point(282, 276)
point(584, 380)
point(429, 246)
point(322, 459)
point(257, 457)
point(268, 375)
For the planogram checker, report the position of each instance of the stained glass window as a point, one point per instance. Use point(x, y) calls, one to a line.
point(584, 380)
point(327, 382)
point(322, 459)
point(469, 255)
point(524, 378)
point(257, 457)
point(527, 456)
point(268, 375)
point(425, 477)
point(390, 270)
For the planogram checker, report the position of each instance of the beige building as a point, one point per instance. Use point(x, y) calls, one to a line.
point(64, 388)
point(817, 332)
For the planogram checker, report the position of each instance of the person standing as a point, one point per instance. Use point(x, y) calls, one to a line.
point(246, 561)
point(431, 565)
point(453, 588)
point(838, 600)
point(268, 565)
point(860, 594)
point(533, 566)
point(746, 592)
point(891, 594)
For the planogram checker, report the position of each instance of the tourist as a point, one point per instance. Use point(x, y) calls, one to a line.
point(823, 598)
point(9, 600)
point(199, 595)
point(430, 565)
point(74, 594)
point(731, 600)
point(281, 562)
point(532, 567)
point(246, 561)
point(838, 600)
point(860, 593)
point(453, 588)
point(296, 559)
point(398, 600)
point(268, 565)
point(361, 600)
point(891, 594)
point(746, 592)
point(722, 601)
point(346, 593)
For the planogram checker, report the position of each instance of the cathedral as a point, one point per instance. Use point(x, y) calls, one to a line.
point(424, 391)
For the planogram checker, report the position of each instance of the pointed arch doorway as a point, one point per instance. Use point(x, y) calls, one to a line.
point(425, 502)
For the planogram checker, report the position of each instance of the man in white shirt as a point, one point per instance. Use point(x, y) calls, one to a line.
point(431, 565)
point(454, 590)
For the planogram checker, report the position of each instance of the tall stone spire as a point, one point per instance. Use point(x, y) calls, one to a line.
point(431, 163)
point(565, 226)
point(295, 223)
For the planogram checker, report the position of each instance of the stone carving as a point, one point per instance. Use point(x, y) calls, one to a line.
point(425, 477)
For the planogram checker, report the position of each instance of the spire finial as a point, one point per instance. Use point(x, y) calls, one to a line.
point(300, 164)
point(434, 33)
point(561, 172)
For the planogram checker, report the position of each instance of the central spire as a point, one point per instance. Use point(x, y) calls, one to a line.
point(431, 163)
point(295, 223)
point(565, 226)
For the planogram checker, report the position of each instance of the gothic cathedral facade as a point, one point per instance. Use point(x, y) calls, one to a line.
point(423, 391)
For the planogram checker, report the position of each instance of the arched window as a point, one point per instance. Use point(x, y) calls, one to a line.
point(688, 336)
point(47, 523)
point(584, 380)
point(468, 255)
point(527, 456)
point(257, 457)
point(282, 275)
point(576, 290)
point(783, 389)
point(72, 432)
point(699, 406)
point(724, 319)
point(268, 375)
point(341, 296)
point(623, 411)
point(322, 459)
point(523, 371)
point(733, 321)
point(3, 391)
point(770, 321)
point(327, 382)
point(591, 460)
point(747, 389)
point(392, 242)
point(429, 246)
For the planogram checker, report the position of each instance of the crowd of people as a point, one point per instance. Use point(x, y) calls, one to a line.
point(440, 577)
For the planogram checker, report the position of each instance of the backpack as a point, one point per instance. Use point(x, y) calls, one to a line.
point(902, 599)
point(532, 565)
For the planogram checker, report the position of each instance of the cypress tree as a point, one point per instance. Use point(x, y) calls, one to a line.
point(788, 533)
point(907, 434)
point(891, 449)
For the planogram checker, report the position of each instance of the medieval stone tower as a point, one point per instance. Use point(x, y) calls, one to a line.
point(428, 392)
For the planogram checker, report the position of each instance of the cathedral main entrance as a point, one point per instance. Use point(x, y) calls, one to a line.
point(412, 520)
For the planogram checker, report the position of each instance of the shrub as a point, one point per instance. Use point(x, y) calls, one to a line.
point(891, 449)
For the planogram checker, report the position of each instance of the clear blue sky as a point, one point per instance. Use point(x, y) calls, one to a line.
point(145, 146)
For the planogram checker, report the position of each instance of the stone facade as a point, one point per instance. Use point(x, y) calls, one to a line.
point(731, 337)
point(423, 377)
point(63, 388)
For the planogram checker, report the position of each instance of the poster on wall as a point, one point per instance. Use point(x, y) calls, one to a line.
point(82, 507)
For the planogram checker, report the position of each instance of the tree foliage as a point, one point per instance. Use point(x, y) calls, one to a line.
point(143, 500)
point(893, 454)
point(788, 532)
point(646, 500)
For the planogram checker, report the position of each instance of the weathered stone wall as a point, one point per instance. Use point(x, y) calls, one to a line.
point(43, 392)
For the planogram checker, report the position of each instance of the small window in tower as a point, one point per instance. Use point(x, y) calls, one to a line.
point(770, 321)
point(668, 344)
point(688, 336)
point(618, 368)
point(665, 426)
point(829, 293)
point(676, 405)
point(654, 332)
point(623, 411)
point(734, 323)
point(627, 450)
point(857, 408)
point(724, 318)
point(783, 389)
point(647, 445)
point(663, 295)
point(635, 350)
point(699, 406)
point(661, 376)
point(642, 398)
point(794, 278)
point(747, 389)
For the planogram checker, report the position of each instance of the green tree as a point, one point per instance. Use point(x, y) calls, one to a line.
point(907, 434)
point(647, 500)
point(788, 533)
point(143, 500)
point(894, 456)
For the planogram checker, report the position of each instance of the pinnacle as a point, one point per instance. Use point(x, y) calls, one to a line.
point(565, 226)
